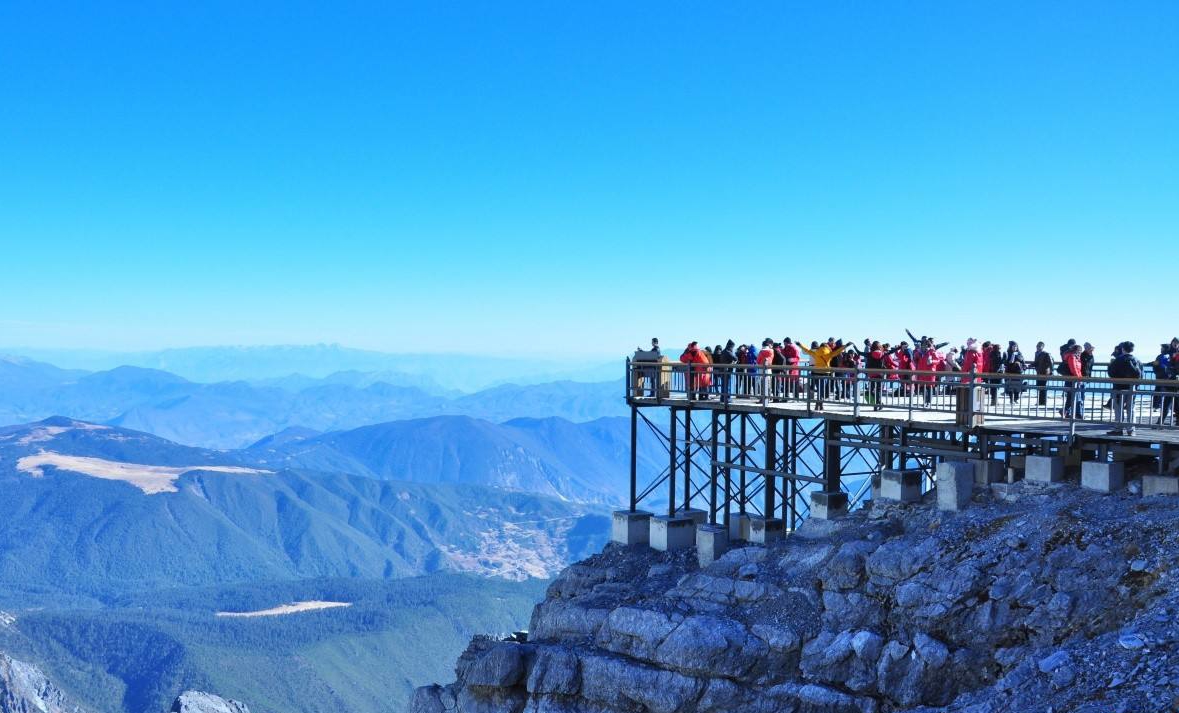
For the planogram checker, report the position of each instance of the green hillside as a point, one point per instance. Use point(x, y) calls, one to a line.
point(137, 654)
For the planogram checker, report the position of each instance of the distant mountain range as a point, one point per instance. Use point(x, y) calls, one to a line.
point(86, 509)
point(234, 414)
point(431, 372)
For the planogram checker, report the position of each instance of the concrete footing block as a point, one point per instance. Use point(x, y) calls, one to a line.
point(901, 485)
point(1103, 477)
point(1044, 469)
point(764, 530)
point(1160, 485)
point(828, 506)
point(672, 533)
point(738, 526)
point(1014, 475)
point(876, 486)
point(712, 541)
point(988, 471)
point(955, 484)
point(700, 517)
point(631, 527)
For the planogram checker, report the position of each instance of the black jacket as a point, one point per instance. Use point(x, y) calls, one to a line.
point(1013, 362)
point(1043, 362)
point(1125, 366)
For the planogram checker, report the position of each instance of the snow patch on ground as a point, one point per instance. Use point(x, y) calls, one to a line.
point(48, 433)
point(284, 609)
point(151, 479)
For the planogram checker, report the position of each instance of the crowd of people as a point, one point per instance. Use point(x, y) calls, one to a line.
point(921, 369)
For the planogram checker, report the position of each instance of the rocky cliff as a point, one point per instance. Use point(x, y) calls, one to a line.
point(197, 702)
point(25, 689)
point(1047, 599)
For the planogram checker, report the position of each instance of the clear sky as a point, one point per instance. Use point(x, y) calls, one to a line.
point(578, 177)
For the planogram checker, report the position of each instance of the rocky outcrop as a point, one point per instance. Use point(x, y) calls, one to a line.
point(197, 702)
point(24, 689)
point(1050, 599)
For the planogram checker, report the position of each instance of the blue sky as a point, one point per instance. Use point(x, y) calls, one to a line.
point(575, 178)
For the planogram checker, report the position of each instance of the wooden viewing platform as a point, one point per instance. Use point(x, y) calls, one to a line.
point(752, 451)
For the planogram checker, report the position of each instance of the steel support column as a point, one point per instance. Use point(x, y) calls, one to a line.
point(832, 455)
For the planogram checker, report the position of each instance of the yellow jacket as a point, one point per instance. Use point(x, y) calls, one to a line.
point(821, 357)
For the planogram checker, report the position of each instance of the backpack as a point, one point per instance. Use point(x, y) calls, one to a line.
point(1062, 368)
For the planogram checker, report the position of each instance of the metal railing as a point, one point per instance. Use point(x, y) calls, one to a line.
point(973, 398)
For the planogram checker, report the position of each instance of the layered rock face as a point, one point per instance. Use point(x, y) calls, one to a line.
point(1053, 599)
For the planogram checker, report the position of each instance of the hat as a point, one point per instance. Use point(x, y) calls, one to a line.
point(767, 342)
point(971, 342)
point(1088, 345)
point(730, 344)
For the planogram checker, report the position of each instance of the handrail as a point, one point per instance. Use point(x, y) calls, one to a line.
point(1068, 400)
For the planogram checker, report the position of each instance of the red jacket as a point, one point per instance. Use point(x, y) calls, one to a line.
point(891, 362)
point(765, 357)
point(973, 359)
point(930, 360)
point(1073, 362)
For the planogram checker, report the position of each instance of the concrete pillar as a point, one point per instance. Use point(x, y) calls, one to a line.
point(828, 506)
point(901, 485)
point(711, 542)
point(764, 530)
point(697, 515)
point(1014, 475)
point(955, 484)
point(988, 471)
point(1044, 469)
point(1160, 485)
point(738, 526)
point(631, 527)
point(672, 533)
point(1103, 477)
point(875, 486)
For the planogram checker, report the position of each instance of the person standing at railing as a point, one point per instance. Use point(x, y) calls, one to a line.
point(696, 361)
point(726, 358)
point(1171, 402)
point(779, 374)
point(821, 356)
point(1074, 391)
point(929, 360)
point(892, 363)
point(765, 360)
point(792, 356)
point(1042, 363)
point(1013, 363)
point(1124, 366)
point(1161, 366)
point(905, 363)
point(875, 359)
point(994, 356)
point(742, 389)
point(973, 361)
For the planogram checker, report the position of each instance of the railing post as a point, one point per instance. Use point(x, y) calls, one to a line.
point(856, 392)
point(913, 386)
point(628, 382)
